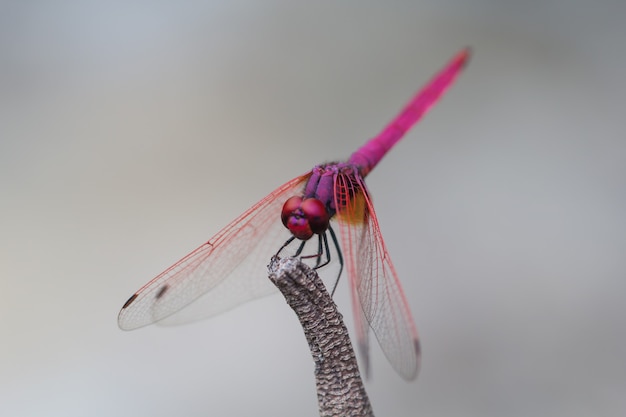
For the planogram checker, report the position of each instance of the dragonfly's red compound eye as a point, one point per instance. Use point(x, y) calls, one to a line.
point(290, 208)
point(304, 218)
point(317, 215)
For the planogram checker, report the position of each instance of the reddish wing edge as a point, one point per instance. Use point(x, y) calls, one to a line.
point(377, 296)
point(225, 272)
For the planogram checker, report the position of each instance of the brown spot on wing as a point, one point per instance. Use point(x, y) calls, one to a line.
point(161, 291)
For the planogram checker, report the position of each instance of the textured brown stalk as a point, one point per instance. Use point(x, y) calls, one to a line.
point(340, 390)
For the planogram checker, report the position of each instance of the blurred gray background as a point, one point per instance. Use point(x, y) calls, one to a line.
point(131, 132)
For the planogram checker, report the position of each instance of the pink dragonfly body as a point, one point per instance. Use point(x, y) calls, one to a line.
point(229, 269)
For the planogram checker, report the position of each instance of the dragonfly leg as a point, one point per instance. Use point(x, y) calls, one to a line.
point(339, 256)
point(300, 248)
point(320, 251)
point(322, 247)
point(326, 249)
point(291, 239)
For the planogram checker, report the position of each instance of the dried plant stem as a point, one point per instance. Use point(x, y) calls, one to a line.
point(340, 390)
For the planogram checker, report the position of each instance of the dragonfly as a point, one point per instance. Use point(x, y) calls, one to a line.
point(228, 269)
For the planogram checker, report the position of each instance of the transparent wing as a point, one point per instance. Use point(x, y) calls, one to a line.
point(224, 272)
point(377, 295)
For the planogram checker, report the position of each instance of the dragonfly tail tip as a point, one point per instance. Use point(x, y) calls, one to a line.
point(463, 57)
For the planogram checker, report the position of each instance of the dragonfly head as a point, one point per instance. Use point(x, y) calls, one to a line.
point(305, 217)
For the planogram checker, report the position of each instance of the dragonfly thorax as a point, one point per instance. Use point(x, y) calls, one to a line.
point(305, 217)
